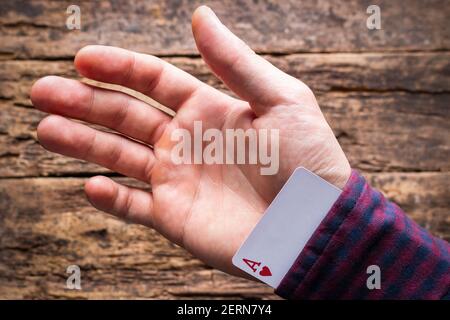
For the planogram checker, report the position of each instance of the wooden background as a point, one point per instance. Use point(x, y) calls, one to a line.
point(385, 93)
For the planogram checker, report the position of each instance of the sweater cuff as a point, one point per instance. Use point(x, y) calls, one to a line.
point(363, 230)
point(292, 283)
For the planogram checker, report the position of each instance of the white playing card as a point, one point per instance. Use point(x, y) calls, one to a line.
point(276, 241)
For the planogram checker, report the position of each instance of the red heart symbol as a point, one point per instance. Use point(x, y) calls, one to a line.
point(265, 272)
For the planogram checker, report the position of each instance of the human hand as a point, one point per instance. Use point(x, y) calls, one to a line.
point(209, 209)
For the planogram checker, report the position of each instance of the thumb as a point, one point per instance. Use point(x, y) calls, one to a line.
point(250, 76)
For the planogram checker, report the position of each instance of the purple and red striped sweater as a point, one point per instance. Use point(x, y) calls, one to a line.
point(362, 229)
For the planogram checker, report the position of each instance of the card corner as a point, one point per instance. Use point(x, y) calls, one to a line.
point(235, 260)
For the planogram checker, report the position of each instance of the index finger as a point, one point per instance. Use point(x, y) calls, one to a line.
point(147, 74)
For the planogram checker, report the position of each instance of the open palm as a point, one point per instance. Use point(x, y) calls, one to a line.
point(207, 208)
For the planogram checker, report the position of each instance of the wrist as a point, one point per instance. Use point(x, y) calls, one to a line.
point(342, 175)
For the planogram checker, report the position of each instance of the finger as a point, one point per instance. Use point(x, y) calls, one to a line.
point(111, 109)
point(109, 150)
point(250, 76)
point(147, 74)
point(130, 204)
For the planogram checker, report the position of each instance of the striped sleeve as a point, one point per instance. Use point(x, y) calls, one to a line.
point(363, 232)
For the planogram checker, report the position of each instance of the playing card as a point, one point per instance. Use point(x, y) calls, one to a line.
point(276, 241)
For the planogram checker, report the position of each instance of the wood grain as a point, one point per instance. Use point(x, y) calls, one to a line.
point(40, 238)
point(370, 116)
point(36, 29)
point(409, 72)
point(379, 132)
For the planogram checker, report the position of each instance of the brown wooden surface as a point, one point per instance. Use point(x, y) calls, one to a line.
point(385, 93)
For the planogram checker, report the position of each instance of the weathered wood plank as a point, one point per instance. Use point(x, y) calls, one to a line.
point(362, 120)
point(392, 131)
point(421, 72)
point(36, 29)
point(40, 238)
